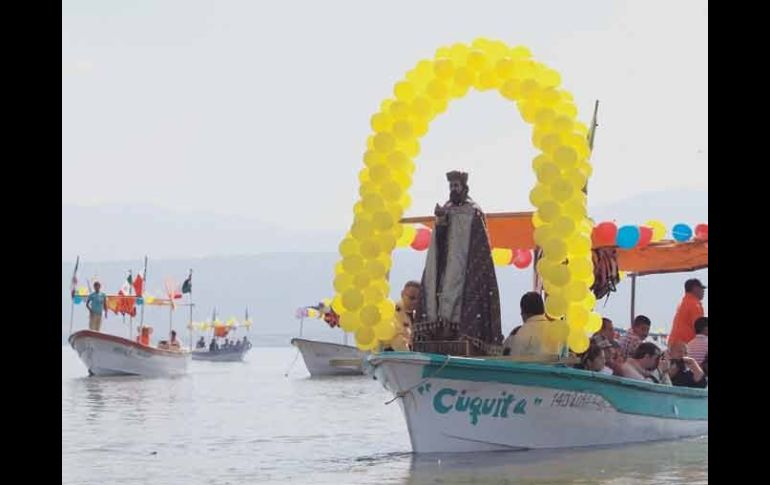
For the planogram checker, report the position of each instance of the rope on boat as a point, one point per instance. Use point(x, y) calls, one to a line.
point(292, 364)
point(403, 393)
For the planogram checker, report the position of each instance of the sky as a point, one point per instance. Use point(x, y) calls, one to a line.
point(261, 109)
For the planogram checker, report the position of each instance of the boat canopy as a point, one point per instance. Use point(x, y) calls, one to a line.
point(515, 230)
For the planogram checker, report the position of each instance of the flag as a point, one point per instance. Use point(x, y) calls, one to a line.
point(74, 281)
point(138, 285)
point(187, 285)
point(127, 286)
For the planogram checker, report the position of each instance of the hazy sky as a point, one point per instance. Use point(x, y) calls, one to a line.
point(262, 108)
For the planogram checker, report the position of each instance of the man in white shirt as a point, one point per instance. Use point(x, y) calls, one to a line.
point(698, 347)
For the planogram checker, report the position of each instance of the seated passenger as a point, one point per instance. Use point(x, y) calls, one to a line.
point(684, 370)
point(592, 359)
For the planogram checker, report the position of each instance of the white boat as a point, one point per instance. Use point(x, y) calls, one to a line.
point(329, 359)
point(461, 404)
point(109, 355)
point(220, 356)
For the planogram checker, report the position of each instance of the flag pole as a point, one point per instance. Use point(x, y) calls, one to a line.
point(73, 290)
point(144, 282)
point(590, 136)
point(189, 278)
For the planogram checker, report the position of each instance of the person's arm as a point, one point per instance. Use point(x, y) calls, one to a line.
point(697, 372)
point(104, 305)
point(88, 304)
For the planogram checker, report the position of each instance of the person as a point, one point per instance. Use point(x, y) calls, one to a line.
point(528, 340)
point(631, 340)
point(173, 342)
point(644, 364)
point(593, 359)
point(201, 343)
point(698, 347)
point(237, 346)
point(213, 346)
point(246, 343)
point(705, 365)
point(606, 333)
point(460, 300)
point(96, 304)
point(404, 317)
point(616, 360)
point(144, 335)
point(684, 370)
point(689, 310)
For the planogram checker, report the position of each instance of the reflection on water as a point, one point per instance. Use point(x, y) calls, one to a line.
point(247, 423)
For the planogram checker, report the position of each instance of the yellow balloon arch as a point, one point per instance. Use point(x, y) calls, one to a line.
point(562, 167)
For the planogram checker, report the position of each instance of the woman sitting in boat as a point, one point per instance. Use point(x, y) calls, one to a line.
point(592, 359)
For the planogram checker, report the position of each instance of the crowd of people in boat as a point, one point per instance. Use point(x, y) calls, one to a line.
point(683, 363)
point(227, 346)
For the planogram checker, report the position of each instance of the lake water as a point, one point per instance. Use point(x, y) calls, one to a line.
point(242, 423)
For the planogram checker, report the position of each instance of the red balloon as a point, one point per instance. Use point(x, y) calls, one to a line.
point(645, 236)
point(421, 239)
point(522, 258)
point(605, 233)
point(702, 232)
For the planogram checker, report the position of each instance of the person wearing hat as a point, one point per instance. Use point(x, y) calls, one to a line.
point(689, 310)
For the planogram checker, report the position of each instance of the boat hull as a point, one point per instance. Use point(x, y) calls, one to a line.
point(456, 404)
point(329, 359)
point(110, 355)
point(205, 355)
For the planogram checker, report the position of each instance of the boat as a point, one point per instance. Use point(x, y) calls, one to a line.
point(111, 355)
point(327, 358)
point(455, 403)
point(220, 330)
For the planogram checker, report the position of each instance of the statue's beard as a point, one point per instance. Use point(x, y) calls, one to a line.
point(457, 197)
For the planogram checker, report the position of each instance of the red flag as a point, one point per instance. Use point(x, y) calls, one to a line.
point(138, 285)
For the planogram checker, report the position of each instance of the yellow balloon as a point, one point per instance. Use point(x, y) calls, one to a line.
point(576, 291)
point(594, 323)
point(590, 301)
point(370, 315)
point(577, 316)
point(555, 249)
point(361, 280)
point(387, 309)
point(565, 156)
point(549, 211)
point(384, 142)
point(350, 322)
point(501, 256)
point(555, 305)
point(564, 227)
point(373, 294)
point(353, 264)
point(581, 268)
point(578, 245)
point(578, 341)
point(558, 275)
point(381, 122)
point(352, 299)
point(443, 68)
point(375, 269)
point(407, 236)
point(562, 190)
point(385, 331)
point(538, 195)
point(362, 228)
point(404, 91)
point(342, 282)
point(349, 247)
point(548, 173)
point(364, 336)
point(658, 229)
point(383, 221)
